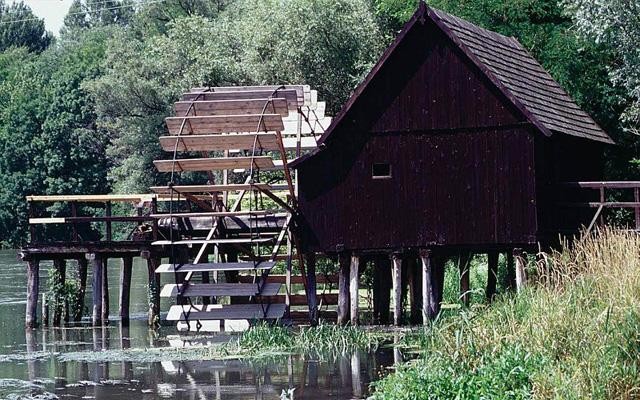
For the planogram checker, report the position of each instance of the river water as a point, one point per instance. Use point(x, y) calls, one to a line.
point(79, 362)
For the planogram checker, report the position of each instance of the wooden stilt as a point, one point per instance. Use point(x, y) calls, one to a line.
point(45, 310)
point(464, 265)
point(397, 289)
point(33, 280)
point(415, 290)
point(343, 289)
point(384, 266)
point(438, 269)
point(82, 280)
point(521, 274)
point(154, 291)
point(312, 296)
point(354, 287)
point(61, 271)
point(511, 272)
point(96, 286)
point(125, 289)
point(105, 291)
point(377, 289)
point(428, 300)
point(492, 274)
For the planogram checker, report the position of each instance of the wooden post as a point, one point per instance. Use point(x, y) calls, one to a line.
point(464, 265)
point(396, 259)
point(45, 310)
point(428, 298)
point(636, 198)
point(312, 295)
point(61, 271)
point(343, 289)
point(153, 290)
point(33, 280)
point(105, 290)
point(82, 279)
point(384, 266)
point(107, 212)
point(415, 290)
point(492, 274)
point(125, 289)
point(96, 286)
point(511, 271)
point(354, 287)
point(521, 274)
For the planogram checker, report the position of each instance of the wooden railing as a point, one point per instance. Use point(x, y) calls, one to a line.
point(603, 204)
point(142, 205)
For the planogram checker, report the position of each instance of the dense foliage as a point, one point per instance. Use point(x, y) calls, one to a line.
point(82, 113)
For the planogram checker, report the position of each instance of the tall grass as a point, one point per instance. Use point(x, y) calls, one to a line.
point(573, 334)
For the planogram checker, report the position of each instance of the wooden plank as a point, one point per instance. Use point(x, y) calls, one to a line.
point(210, 267)
point(296, 279)
point(241, 141)
point(354, 287)
point(70, 220)
point(224, 123)
point(397, 289)
point(222, 289)
point(52, 220)
point(330, 299)
point(233, 107)
point(609, 204)
point(213, 241)
point(210, 188)
point(211, 164)
point(428, 308)
point(217, 214)
point(98, 198)
point(302, 92)
point(603, 184)
point(231, 311)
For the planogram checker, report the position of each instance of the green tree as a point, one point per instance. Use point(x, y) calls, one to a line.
point(19, 27)
point(88, 14)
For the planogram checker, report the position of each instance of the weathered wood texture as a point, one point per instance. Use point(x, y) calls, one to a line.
point(82, 290)
point(492, 274)
point(397, 289)
point(33, 281)
point(125, 288)
point(354, 287)
point(343, 289)
point(468, 168)
point(96, 287)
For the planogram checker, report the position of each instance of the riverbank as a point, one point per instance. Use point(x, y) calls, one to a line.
point(573, 334)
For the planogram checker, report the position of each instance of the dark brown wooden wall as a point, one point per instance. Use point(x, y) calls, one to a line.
point(462, 160)
point(459, 189)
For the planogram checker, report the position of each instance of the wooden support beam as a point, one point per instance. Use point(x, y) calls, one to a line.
point(428, 295)
point(464, 264)
point(343, 289)
point(153, 291)
point(125, 289)
point(60, 267)
point(354, 287)
point(105, 291)
point(510, 275)
point(96, 286)
point(383, 265)
point(492, 274)
point(311, 288)
point(521, 274)
point(396, 259)
point(33, 281)
point(107, 213)
point(82, 290)
point(415, 290)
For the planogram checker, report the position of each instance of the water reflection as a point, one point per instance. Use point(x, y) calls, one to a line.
point(31, 364)
point(343, 377)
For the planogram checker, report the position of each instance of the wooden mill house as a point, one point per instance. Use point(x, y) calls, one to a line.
point(457, 143)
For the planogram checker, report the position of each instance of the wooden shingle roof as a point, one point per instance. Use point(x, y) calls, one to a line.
point(522, 76)
point(508, 65)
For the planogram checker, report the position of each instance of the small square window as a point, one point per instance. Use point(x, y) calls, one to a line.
point(381, 171)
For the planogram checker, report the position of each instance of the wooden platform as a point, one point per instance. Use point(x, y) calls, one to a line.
point(216, 214)
point(211, 267)
point(212, 164)
point(222, 289)
point(231, 311)
point(233, 107)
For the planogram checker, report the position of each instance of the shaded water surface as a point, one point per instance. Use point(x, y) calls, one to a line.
point(83, 362)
